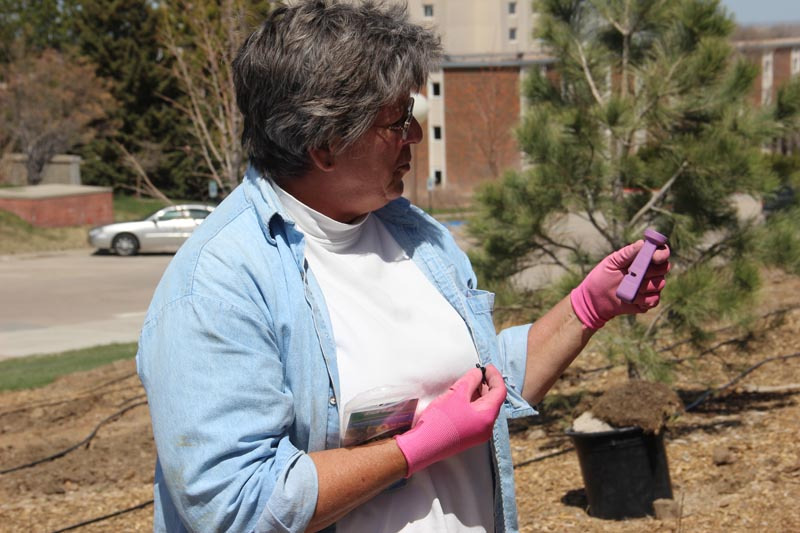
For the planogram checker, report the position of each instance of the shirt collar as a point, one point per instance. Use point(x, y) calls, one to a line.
point(268, 206)
point(271, 209)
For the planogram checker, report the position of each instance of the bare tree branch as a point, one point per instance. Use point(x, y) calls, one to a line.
point(134, 164)
point(204, 70)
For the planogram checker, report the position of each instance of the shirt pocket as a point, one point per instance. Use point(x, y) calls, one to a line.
point(480, 302)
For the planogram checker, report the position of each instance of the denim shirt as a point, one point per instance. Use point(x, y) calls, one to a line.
point(239, 363)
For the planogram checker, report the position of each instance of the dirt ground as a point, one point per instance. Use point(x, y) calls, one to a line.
point(734, 460)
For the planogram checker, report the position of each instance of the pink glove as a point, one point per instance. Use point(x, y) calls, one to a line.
point(595, 301)
point(455, 421)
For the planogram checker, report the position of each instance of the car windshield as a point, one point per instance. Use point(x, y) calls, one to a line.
point(173, 213)
point(199, 213)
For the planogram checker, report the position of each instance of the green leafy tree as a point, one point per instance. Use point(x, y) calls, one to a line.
point(645, 124)
point(49, 104)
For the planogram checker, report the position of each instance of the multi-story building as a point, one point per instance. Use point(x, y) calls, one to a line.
point(474, 101)
point(779, 61)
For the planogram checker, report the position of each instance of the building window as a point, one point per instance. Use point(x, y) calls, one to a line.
point(437, 177)
point(795, 61)
point(512, 34)
point(436, 88)
point(437, 133)
point(427, 10)
point(512, 8)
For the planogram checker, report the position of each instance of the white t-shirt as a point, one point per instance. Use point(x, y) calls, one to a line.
point(393, 328)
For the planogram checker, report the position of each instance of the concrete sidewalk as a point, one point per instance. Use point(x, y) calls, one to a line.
point(123, 328)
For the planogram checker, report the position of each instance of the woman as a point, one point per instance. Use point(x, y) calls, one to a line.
point(315, 308)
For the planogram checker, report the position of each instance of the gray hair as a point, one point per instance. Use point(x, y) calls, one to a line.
point(316, 73)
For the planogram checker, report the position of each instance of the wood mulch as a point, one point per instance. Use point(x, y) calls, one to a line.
point(734, 460)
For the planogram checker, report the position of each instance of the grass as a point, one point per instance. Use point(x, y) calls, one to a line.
point(18, 236)
point(39, 370)
point(131, 208)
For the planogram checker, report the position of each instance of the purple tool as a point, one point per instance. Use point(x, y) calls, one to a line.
point(633, 279)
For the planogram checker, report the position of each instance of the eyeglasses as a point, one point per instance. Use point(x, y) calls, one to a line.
point(405, 122)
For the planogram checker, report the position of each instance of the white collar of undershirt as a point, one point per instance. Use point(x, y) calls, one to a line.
point(330, 233)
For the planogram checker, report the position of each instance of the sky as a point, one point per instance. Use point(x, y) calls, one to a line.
point(749, 12)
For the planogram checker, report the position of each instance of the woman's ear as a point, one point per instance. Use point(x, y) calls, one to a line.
point(322, 158)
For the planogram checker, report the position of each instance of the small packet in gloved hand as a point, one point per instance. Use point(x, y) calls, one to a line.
point(378, 414)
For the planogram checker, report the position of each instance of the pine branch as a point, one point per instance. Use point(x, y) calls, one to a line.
point(781, 311)
point(662, 311)
point(590, 209)
point(587, 73)
point(626, 52)
point(657, 196)
point(552, 254)
point(563, 246)
point(611, 21)
point(706, 255)
point(657, 97)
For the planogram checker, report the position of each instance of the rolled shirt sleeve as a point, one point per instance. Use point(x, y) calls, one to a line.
point(221, 411)
point(513, 346)
point(512, 353)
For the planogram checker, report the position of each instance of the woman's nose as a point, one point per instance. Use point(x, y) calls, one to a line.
point(414, 132)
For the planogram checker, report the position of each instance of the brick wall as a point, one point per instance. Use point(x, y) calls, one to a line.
point(754, 57)
point(481, 111)
point(74, 210)
point(415, 181)
point(781, 70)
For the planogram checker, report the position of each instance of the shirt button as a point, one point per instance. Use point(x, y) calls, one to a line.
point(332, 401)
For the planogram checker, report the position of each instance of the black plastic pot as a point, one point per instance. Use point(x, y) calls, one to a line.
point(624, 471)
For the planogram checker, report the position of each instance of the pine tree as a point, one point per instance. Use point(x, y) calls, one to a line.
point(645, 124)
point(121, 38)
point(30, 27)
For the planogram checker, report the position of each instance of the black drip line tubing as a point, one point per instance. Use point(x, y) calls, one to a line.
point(79, 396)
point(104, 517)
point(74, 446)
point(710, 392)
point(702, 398)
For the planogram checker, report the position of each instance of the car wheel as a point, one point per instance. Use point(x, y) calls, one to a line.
point(125, 244)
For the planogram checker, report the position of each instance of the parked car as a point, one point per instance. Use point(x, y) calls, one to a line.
point(163, 231)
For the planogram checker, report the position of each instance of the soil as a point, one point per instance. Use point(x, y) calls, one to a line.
point(639, 403)
point(734, 459)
